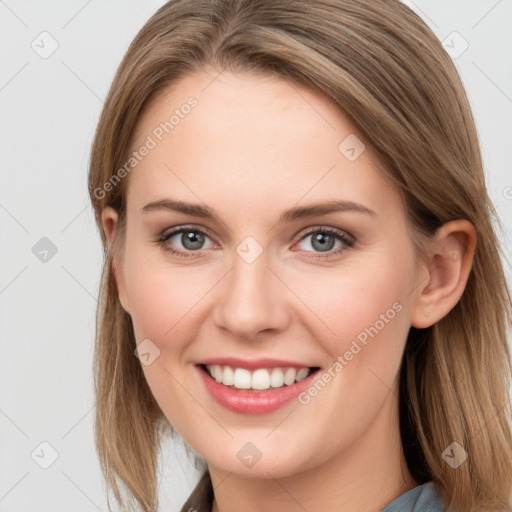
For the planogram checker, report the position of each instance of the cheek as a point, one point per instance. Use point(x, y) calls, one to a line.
point(361, 306)
point(164, 303)
point(161, 302)
point(161, 295)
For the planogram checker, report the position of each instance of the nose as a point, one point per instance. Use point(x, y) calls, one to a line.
point(251, 300)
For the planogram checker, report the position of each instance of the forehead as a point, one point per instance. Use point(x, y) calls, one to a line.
point(245, 102)
point(258, 137)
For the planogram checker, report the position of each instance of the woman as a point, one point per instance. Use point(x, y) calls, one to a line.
point(302, 277)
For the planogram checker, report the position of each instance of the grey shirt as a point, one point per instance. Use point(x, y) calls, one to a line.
point(423, 498)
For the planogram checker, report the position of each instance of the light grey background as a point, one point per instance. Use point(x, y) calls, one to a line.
point(49, 110)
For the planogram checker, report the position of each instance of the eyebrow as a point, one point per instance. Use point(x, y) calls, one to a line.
point(294, 213)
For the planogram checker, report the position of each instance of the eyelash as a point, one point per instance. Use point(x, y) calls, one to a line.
point(340, 235)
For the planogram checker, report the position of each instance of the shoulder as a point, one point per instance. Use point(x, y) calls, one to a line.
point(423, 498)
point(201, 498)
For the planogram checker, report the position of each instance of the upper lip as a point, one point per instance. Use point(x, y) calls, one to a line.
point(253, 363)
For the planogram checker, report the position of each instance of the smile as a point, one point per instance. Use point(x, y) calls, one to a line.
point(256, 391)
point(259, 379)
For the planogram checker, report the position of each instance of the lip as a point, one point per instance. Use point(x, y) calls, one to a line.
point(254, 363)
point(253, 402)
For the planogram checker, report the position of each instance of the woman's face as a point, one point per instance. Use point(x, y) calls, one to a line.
point(264, 275)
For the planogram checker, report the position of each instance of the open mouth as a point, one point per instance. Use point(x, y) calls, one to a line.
point(258, 380)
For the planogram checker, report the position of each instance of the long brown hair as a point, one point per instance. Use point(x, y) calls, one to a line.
point(391, 76)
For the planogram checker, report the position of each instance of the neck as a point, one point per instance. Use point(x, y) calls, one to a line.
point(365, 476)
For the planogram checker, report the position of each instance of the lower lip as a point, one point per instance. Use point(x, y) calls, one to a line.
point(253, 402)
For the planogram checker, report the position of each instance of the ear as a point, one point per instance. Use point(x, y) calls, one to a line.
point(449, 263)
point(109, 219)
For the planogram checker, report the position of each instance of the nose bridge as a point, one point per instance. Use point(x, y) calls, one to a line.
point(251, 298)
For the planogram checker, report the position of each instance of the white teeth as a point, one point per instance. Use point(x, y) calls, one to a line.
point(242, 378)
point(217, 373)
point(302, 374)
point(289, 376)
point(277, 378)
point(228, 378)
point(260, 379)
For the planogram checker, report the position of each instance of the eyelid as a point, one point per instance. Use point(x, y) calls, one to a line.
point(183, 227)
point(322, 228)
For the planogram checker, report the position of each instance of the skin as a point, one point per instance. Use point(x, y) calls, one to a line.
point(253, 147)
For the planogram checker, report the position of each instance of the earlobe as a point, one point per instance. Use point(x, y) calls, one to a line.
point(449, 264)
point(109, 219)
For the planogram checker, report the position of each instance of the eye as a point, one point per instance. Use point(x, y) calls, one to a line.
point(323, 240)
point(184, 241)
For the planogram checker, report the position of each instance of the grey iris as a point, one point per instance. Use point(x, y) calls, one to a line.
point(322, 241)
point(192, 240)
